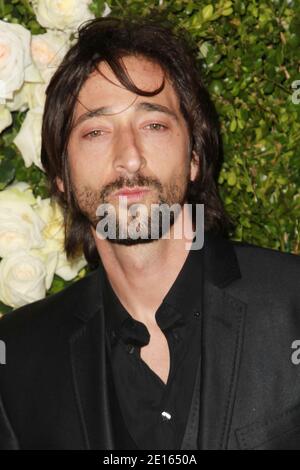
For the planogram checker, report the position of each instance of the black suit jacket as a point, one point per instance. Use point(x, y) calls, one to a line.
point(56, 389)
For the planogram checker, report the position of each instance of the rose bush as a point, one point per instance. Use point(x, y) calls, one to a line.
point(16, 64)
point(33, 230)
point(20, 225)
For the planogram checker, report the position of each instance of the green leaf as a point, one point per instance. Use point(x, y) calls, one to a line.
point(4, 309)
point(227, 12)
point(231, 178)
point(207, 12)
point(7, 173)
point(233, 125)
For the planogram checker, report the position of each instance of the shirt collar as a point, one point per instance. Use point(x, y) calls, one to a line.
point(221, 268)
point(178, 306)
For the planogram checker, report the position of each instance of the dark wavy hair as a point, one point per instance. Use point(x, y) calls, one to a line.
point(109, 39)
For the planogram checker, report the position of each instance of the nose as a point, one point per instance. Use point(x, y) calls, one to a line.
point(128, 157)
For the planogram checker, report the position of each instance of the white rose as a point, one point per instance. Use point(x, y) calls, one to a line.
point(19, 191)
point(19, 102)
point(62, 14)
point(107, 10)
point(36, 96)
point(48, 50)
point(49, 260)
point(5, 117)
point(67, 269)
point(54, 236)
point(20, 226)
point(15, 60)
point(22, 279)
point(53, 232)
point(28, 140)
point(30, 95)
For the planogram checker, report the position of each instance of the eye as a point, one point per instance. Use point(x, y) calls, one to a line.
point(157, 126)
point(91, 135)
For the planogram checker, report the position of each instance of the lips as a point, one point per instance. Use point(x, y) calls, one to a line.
point(132, 192)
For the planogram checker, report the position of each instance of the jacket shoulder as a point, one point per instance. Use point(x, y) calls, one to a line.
point(247, 252)
point(268, 270)
point(51, 311)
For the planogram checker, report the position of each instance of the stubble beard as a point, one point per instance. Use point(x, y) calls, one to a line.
point(89, 200)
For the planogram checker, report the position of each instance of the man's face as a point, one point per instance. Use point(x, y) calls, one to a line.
point(139, 142)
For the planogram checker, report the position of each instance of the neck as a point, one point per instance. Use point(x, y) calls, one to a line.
point(141, 275)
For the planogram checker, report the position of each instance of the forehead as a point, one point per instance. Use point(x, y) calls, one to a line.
point(106, 90)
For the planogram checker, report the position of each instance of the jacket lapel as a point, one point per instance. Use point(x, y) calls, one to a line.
point(223, 325)
point(88, 364)
point(222, 339)
point(91, 384)
point(101, 420)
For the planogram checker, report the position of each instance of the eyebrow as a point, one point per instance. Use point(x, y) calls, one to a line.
point(144, 106)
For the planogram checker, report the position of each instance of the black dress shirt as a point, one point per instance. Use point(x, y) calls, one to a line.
point(156, 413)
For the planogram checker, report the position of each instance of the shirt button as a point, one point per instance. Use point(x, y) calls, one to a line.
point(196, 314)
point(166, 416)
point(130, 348)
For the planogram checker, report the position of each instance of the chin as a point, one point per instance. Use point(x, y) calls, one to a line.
point(131, 241)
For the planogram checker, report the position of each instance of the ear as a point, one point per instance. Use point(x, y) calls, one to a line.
point(59, 184)
point(195, 165)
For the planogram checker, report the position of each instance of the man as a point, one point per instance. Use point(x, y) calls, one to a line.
point(161, 346)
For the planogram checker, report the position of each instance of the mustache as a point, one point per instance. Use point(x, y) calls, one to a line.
point(122, 182)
